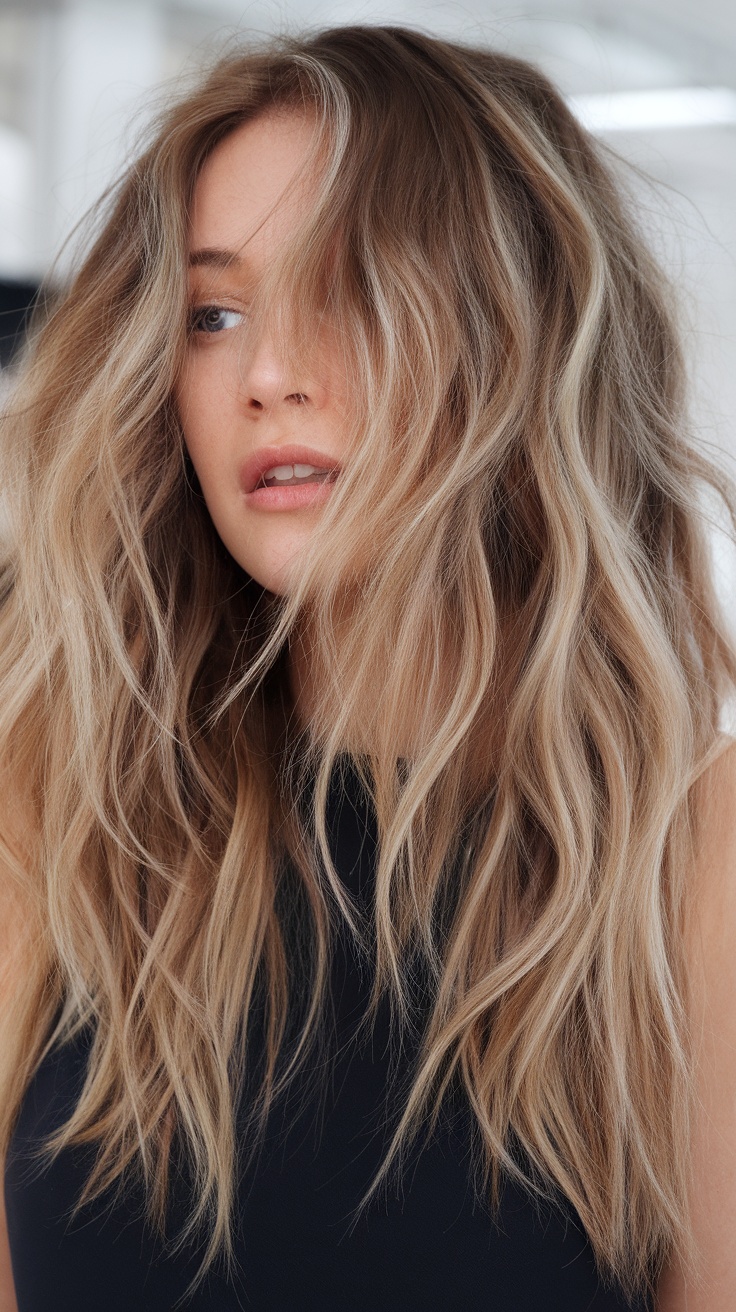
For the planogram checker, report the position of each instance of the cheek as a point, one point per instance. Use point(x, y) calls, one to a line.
point(200, 400)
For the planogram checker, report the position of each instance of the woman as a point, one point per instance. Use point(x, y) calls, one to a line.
point(362, 680)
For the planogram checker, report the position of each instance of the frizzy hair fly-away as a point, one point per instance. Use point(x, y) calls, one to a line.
point(514, 544)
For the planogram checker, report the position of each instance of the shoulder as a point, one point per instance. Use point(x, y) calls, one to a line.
point(717, 783)
point(714, 855)
point(18, 913)
point(24, 957)
point(710, 964)
point(710, 920)
point(14, 949)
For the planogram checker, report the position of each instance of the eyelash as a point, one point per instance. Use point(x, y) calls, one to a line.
point(198, 313)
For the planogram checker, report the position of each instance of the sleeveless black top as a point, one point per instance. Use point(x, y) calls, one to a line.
point(427, 1245)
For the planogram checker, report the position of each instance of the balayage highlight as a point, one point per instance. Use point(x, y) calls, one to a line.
point(514, 550)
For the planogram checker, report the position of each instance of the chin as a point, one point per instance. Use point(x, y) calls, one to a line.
point(274, 581)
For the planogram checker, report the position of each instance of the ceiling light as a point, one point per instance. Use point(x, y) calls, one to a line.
point(668, 107)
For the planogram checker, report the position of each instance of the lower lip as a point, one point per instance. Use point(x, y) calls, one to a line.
point(292, 497)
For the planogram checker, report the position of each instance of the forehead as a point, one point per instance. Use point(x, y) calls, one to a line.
point(249, 189)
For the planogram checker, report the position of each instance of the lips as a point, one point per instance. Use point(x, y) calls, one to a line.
point(266, 457)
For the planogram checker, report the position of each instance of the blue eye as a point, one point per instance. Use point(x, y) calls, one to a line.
point(213, 319)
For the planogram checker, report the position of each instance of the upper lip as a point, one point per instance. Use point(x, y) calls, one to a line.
point(266, 457)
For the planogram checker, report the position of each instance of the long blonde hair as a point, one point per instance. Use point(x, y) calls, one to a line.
point(520, 512)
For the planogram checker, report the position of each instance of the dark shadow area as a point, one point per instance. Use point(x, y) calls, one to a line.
point(16, 300)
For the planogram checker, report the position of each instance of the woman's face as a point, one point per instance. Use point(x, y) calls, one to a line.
point(241, 413)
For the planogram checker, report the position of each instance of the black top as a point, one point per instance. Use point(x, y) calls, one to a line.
point(426, 1245)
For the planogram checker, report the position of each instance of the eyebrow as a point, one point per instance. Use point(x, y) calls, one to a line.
point(214, 257)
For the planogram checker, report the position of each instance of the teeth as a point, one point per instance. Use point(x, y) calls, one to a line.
point(284, 472)
point(282, 475)
point(295, 474)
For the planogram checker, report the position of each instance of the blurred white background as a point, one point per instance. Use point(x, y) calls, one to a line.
point(78, 79)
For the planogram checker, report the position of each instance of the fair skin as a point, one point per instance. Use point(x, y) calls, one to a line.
point(231, 403)
point(7, 1289)
point(711, 954)
point(229, 407)
point(247, 202)
point(14, 935)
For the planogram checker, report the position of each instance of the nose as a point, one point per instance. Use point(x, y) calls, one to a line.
point(268, 385)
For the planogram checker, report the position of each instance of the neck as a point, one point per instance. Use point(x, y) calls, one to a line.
point(486, 738)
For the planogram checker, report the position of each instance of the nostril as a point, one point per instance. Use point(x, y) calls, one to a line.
point(297, 397)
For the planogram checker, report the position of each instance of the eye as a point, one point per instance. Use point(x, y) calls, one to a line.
point(213, 319)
